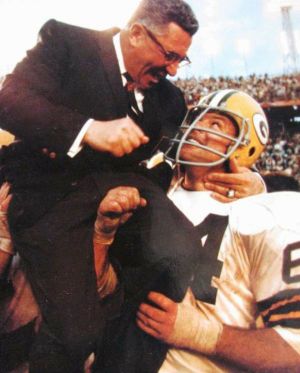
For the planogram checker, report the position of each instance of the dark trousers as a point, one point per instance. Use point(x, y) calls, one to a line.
point(58, 252)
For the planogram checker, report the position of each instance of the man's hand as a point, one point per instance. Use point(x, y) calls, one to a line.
point(182, 325)
point(115, 209)
point(158, 321)
point(118, 137)
point(241, 180)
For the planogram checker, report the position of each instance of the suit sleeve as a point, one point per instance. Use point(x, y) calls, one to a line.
point(31, 98)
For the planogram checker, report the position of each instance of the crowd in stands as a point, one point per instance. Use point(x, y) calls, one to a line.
point(263, 88)
point(281, 156)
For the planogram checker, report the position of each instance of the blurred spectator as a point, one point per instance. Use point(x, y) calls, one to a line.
point(282, 155)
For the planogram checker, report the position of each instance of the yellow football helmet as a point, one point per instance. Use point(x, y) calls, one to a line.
point(246, 113)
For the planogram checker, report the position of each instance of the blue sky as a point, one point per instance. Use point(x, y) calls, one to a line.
point(236, 37)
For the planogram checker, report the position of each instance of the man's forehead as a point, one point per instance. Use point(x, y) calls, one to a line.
point(218, 116)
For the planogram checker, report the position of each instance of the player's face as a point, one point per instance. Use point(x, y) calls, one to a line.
point(217, 123)
point(159, 55)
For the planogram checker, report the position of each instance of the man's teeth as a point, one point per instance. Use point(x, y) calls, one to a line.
point(193, 141)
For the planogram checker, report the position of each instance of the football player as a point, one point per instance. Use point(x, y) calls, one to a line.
point(242, 309)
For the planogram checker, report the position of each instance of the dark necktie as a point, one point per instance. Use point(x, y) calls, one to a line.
point(133, 109)
point(133, 103)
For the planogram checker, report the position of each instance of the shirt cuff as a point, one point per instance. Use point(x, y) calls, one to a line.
point(77, 145)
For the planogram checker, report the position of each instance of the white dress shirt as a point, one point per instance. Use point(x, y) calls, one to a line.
point(77, 144)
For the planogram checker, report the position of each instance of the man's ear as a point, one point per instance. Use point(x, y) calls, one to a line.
point(136, 34)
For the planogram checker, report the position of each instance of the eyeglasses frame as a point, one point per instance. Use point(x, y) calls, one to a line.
point(170, 57)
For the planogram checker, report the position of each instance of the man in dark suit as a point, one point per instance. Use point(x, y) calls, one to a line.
point(67, 104)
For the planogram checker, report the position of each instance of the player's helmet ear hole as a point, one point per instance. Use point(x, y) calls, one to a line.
point(251, 151)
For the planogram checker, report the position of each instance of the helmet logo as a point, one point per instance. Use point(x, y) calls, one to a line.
point(261, 128)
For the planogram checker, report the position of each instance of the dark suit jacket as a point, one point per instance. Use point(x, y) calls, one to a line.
point(72, 75)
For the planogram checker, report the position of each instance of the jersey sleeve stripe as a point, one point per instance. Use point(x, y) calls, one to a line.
point(282, 304)
point(283, 311)
point(287, 323)
point(282, 296)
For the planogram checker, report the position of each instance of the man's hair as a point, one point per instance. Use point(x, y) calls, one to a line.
point(279, 181)
point(157, 14)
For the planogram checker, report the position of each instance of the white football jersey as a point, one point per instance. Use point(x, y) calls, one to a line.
point(253, 276)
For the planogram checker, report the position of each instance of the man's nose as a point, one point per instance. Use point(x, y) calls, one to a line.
point(172, 68)
point(200, 135)
point(203, 136)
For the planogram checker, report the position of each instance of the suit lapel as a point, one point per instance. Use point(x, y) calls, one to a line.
point(110, 65)
point(152, 115)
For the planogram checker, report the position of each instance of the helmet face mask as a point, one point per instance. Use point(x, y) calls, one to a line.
point(243, 111)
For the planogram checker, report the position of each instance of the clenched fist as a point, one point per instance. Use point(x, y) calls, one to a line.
point(118, 137)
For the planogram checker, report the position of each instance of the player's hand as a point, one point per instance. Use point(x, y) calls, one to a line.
point(242, 181)
point(115, 209)
point(183, 325)
point(118, 137)
point(158, 321)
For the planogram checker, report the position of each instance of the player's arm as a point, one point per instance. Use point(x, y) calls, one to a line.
point(182, 325)
point(259, 350)
point(114, 210)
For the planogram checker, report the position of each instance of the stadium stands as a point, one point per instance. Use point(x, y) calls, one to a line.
point(264, 89)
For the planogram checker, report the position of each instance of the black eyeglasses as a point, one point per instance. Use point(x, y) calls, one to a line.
point(170, 57)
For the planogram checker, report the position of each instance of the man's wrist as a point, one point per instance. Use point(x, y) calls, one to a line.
point(101, 237)
point(105, 229)
point(193, 331)
point(104, 238)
